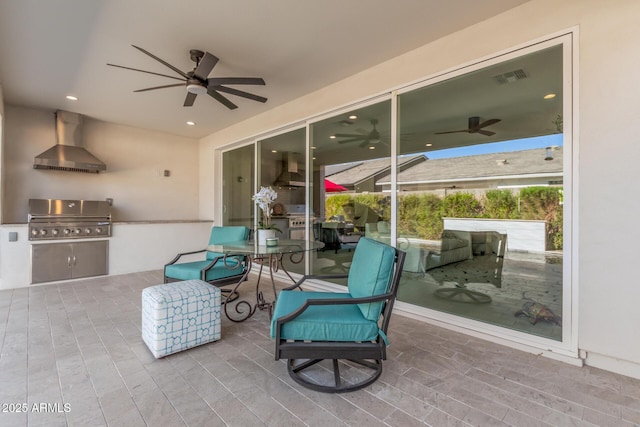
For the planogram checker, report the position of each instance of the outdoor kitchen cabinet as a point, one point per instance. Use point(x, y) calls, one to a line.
point(68, 260)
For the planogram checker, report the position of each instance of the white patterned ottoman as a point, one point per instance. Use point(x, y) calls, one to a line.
point(180, 315)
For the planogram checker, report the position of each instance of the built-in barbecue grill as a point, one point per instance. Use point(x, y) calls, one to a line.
point(54, 219)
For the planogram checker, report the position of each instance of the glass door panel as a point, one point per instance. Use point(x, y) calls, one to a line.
point(350, 153)
point(237, 189)
point(282, 167)
point(480, 211)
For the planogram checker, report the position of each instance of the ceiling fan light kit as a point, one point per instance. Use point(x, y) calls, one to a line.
point(197, 81)
point(196, 88)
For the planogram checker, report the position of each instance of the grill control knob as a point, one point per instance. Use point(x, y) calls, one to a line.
point(77, 231)
point(98, 230)
point(67, 231)
point(87, 231)
point(55, 231)
point(43, 232)
point(34, 232)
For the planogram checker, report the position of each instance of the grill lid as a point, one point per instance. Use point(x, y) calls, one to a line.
point(68, 209)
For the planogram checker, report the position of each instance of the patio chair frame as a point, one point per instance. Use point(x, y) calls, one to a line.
point(367, 354)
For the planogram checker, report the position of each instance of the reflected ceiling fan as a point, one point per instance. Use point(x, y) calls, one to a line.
point(364, 137)
point(475, 127)
point(197, 81)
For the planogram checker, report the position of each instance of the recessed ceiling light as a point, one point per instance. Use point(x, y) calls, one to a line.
point(428, 144)
point(313, 148)
point(332, 137)
point(274, 151)
point(549, 96)
point(353, 117)
point(190, 123)
point(372, 148)
point(72, 98)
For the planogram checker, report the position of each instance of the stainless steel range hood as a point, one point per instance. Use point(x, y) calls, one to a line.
point(68, 154)
point(289, 177)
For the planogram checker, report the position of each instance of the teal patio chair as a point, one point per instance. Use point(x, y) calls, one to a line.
point(348, 328)
point(214, 269)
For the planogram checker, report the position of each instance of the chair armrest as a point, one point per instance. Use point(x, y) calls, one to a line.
point(173, 261)
point(315, 276)
point(215, 260)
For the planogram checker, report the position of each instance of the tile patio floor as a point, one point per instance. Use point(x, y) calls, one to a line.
point(78, 344)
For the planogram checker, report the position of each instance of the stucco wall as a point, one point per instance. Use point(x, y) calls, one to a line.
point(135, 159)
point(604, 163)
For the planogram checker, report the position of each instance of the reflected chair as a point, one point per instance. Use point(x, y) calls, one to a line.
point(348, 328)
point(215, 268)
point(488, 270)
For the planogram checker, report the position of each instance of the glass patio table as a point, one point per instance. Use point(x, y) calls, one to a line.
point(272, 257)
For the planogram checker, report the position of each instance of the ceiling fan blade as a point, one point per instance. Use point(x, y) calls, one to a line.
point(221, 99)
point(452, 131)
point(344, 141)
point(159, 87)
point(205, 66)
point(240, 93)
point(217, 81)
point(486, 132)
point(487, 123)
point(189, 100)
point(350, 135)
point(144, 71)
point(182, 73)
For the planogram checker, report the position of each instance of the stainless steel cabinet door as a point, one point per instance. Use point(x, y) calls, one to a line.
point(90, 259)
point(51, 262)
point(61, 261)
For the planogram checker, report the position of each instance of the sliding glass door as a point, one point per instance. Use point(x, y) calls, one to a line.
point(477, 192)
point(481, 216)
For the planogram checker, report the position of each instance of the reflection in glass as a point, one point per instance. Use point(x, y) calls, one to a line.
point(480, 215)
point(238, 177)
point(350, 152)
point(281, 167)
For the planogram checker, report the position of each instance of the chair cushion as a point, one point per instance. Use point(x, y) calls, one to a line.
point(191, 270)
point(370, 274)
point(322, 323)
point(224, 235)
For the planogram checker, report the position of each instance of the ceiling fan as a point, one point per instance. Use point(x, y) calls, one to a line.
point(197, 81)
point(475, 126)
point(365, 138)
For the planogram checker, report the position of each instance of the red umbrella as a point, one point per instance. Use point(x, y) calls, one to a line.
point(332, 187)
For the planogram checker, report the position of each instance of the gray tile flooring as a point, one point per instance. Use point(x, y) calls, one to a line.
point(72, 354)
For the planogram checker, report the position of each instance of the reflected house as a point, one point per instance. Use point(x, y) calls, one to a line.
point(515, 169)
point(362, 177)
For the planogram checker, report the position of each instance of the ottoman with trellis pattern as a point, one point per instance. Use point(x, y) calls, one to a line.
point(180, 315)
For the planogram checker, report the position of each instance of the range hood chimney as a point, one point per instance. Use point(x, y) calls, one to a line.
point(289, 177)
point(68, 154)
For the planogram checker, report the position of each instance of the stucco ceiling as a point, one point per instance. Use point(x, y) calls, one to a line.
point(53, 48)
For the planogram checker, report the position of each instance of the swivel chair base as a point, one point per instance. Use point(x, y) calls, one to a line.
point(296, 372)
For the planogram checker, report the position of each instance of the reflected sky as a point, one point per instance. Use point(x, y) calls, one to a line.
point(498, 147)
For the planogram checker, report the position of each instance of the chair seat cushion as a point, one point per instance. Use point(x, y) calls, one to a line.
point(322, 323)
point(191, 270)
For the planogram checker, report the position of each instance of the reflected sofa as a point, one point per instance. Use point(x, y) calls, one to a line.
point(454, 246)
